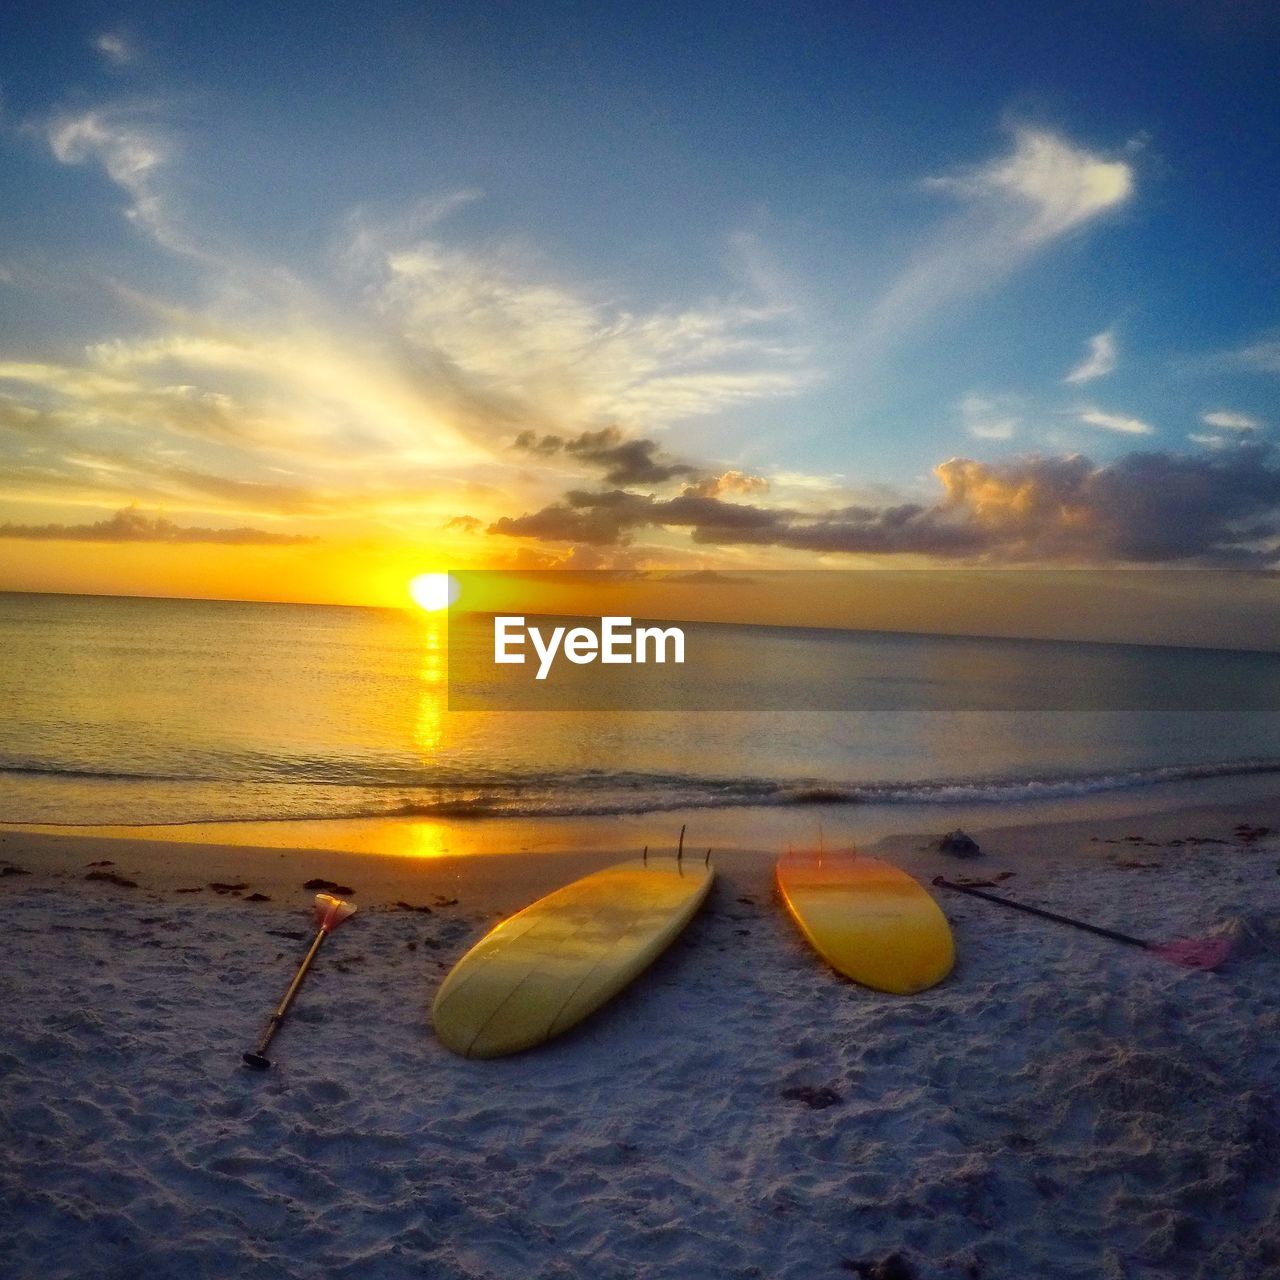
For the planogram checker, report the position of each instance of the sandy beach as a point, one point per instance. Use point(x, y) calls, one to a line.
point(451, 451)
point(1061, 1106)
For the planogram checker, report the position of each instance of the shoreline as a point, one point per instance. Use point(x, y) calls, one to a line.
point(520, 860)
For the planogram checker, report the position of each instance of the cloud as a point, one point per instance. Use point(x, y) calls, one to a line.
point(1015, 206)
point(990, 418)
point(1262, 356)
point(129, 154)
point(623, 461)
point(1228, 421)
point(727, 482)
point(1100, 361)
point(464, 524)
point(389, 389)
point(290, 415)
point(635, 462)
point(1115, 422)
point(606, 519)
point(131, 525)
point(1143, 508)
point(1060, 186)
point(395, 386)
point(594, 519)
point(503, 323)
point(116, 48)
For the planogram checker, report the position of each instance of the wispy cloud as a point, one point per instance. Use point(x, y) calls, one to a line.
point(1100, 360)
point(387, 385)
point(131, 151)
point(132, 525)
point(1229, 421)
point(990, 417)
point(520, 333)
point(1016, 205)
point(1262, 356)
point(1115, 422)
point(116, 48)
point(1057, 185)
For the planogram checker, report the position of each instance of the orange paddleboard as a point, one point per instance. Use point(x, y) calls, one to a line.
point(869, 920)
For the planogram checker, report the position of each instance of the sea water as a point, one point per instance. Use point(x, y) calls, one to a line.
point(125, 710)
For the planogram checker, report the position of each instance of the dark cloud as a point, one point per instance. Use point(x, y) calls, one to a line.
point(598, 520)
point(1144, 507)
point(531, 442)
point(464, 524)
point(1147, 507)
point(621, 461)
point(131, 525)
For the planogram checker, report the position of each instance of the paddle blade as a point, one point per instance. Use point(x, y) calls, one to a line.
point(331, 911)
point(1194, 953)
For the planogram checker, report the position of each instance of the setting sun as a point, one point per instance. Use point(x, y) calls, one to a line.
point(433, 591)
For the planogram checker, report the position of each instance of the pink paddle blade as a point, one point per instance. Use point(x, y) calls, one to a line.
point(1194, 953)
point(331, 911)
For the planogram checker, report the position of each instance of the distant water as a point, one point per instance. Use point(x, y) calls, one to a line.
point(160, 711)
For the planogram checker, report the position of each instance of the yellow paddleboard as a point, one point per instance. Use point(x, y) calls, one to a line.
point(544, 970)
point(869, 920)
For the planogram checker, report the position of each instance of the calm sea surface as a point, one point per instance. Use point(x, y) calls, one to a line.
point(159, 711)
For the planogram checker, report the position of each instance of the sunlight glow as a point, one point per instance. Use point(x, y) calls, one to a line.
point(432, 591)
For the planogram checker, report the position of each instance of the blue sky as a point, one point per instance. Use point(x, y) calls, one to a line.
point(822, 248)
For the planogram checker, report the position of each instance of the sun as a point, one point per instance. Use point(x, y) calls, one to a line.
point(433, 591)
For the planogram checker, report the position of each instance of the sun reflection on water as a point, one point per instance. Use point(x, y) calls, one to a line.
point(433, 693)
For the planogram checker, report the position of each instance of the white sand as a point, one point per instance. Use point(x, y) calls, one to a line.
point(1061, 1106)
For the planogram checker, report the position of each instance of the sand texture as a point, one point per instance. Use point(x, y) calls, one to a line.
point(1061, 1106)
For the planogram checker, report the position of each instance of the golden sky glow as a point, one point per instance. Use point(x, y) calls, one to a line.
point(908, 347)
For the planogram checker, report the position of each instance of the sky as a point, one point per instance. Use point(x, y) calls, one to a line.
point(296, 304)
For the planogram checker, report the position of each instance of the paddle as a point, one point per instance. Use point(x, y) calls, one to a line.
point(1190, 953)
point(330, 913)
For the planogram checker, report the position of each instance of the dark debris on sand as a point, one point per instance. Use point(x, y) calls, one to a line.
point(110, 877)
point(959, 844)
point(894, 1267)
point(328, 886)
point(1246, 834)
point(989, 882)
point(819, 1098)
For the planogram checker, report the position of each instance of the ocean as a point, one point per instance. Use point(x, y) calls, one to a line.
point(142, 711)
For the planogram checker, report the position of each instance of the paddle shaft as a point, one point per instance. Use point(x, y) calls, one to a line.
point(1047, 915)
point(259, 1050)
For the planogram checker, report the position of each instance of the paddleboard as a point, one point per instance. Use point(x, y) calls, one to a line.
point(869, 920)
point(545, 969)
